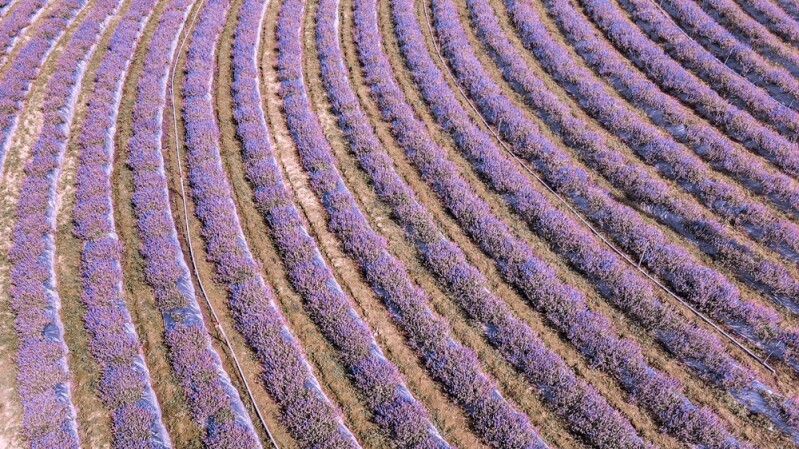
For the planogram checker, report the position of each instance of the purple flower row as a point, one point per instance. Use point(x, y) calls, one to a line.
point(761, 224)
point(307, 412)
point(684, 50)
point(377, 378)
point(750, 31)
point(703, 286)
point(16, 83)
point(125, 383)
point(19, 18)
point(48, 415)
point(618, 282)
point(214, 402)
point(774, 18)
point(563, 305)
point(757, 221)
point(584, 409)
point(4, 6)
point(778, 81)
point(456, 367)
point(791, 7)
point(738, 124)
point(668, 113)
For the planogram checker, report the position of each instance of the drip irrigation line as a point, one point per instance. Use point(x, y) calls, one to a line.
point(579, 216)
point(214, 315)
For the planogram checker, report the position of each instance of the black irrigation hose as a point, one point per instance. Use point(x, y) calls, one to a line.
point(214, 315)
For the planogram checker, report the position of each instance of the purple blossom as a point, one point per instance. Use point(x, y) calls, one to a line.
point(774, 18)
point(48, 415)
point(710, 291)
point(674, 79)
point(125, 384)
point(737, 55)
point(22, 14)
point(563, 305)
point(454, 366)
point(16, 83)
point(310, 416)
point(214, 402)
point(749, 31)
point(586, 412)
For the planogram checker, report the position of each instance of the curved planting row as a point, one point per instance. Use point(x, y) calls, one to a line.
point(738, 124)
point(644, 241)
point(740, 57)
point(774, 18)
point(616, 280)
point(707, 288)
point(778, 234)
point(456, 367)
point(721, 197)
point(662, 109)
point(379, 380)
point(750, 31)
point(214, 402)
point(791, 7)
point(288, 377)
point(690, 54)
point(125, 384)
point(44, 381)
point(4, 6)
point(564, 307)
point(19, 18)
point(16, 82)
point(703, 286)
point(587, 413)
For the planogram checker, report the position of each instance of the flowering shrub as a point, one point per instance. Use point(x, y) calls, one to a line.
point(685, 217)
point(563, 305)
point(726, 47)
point(706, 288)
point(775, 19)
point(454, 366)
point(578, 403)
point(674, 118)
point(19, 18)
point(738, 124)
point(48, 415)
point(615, 279)
point(16, 83)
point(749, 31)
point(287, 376)
point(214, 402)
point(376, 377)
point(125, 384)
point(705, 66)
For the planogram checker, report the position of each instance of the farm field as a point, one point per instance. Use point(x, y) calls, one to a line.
point(505, 224)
